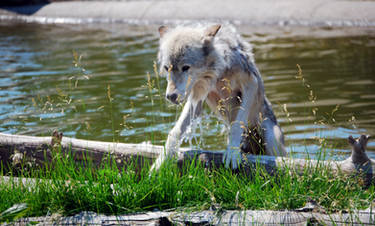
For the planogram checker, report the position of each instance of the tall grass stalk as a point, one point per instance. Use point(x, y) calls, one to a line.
point(110, 100)
point(157, 75)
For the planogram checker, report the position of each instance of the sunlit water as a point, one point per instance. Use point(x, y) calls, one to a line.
point(90, 82)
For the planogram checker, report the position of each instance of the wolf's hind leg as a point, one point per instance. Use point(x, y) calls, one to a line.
point(273, 137)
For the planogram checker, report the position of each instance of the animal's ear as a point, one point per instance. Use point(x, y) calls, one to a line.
point(209, 35)
point(162, 30)
point(212, 30)
point(363, 140)
point(351, 140)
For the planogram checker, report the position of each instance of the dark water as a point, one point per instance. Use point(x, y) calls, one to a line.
point(57, 77)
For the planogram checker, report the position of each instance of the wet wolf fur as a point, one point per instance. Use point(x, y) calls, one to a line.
point(213, 64)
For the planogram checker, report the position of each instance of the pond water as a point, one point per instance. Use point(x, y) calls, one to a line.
point(90, 82)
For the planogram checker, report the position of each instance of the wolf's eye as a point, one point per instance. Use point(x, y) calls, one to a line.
point(185, 68)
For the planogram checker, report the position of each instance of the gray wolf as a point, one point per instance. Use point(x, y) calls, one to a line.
point(213, 64)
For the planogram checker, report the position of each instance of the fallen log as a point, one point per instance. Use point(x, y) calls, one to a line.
point(15, 148)
point(226, 217)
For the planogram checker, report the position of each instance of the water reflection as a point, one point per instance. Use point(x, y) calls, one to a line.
point(58, 77)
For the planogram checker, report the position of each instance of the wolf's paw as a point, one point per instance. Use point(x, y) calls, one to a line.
point(156, 165)
point(166, 154)
point(232, 157)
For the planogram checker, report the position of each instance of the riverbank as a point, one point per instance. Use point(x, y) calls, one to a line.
point(252, 12)
point(70, 186)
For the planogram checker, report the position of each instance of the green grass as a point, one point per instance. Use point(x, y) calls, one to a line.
point(110, 191)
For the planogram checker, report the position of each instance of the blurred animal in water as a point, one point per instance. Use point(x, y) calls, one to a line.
point(359, 148)
point(213, 64)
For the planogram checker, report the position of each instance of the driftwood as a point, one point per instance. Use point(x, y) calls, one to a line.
point(17, 148)
point(247, 217)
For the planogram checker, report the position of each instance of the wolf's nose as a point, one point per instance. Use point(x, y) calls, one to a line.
point(172, 97)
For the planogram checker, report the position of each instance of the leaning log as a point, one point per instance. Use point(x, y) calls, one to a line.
point(14, 148)
point(33, 150)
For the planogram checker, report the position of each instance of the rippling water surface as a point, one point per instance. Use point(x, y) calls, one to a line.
point(90, 82)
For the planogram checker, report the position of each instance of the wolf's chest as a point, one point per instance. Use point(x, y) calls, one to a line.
point(224, 100)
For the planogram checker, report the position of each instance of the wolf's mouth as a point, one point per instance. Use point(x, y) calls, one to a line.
point(176, 102)
point(175, 98)
point(180, 99)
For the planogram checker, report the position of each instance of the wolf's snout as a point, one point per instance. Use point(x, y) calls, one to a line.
point(172, 97)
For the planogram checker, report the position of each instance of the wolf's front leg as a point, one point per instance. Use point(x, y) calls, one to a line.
point(191, 110)
point(232, 155)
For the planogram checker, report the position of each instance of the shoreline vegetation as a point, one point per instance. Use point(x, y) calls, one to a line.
point(67, 187)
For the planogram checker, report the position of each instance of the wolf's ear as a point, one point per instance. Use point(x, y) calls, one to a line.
point(209, 35)
point(162, 30)
point(212, 30)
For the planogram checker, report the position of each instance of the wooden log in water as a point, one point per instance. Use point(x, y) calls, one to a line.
point(37, 150)
point(15, 148)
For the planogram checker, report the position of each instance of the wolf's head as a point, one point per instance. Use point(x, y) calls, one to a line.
point(183, 58)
